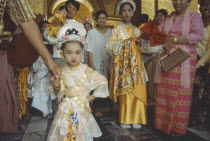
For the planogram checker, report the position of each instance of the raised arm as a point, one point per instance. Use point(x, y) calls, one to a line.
point(21, 13)
point(31, 31)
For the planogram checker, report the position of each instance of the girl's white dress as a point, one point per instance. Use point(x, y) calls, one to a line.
point(74, 120)
point(97, 45)
point(41, 92)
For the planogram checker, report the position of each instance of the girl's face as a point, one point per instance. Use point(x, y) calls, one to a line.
point(205, 8)
point(126, 13)
point(159, 17)
point(101, 20)
point(72, 53)
point(87, 27)
point(180, 5)
point(63, 12)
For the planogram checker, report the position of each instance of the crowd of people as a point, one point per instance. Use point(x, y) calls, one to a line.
point(88, 62)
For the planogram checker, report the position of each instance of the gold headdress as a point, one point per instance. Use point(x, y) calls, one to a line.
point(125, 1)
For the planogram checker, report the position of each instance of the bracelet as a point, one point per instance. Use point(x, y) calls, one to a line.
point(175, 40)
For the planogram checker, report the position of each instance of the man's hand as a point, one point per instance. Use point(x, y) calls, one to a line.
point(31, 31)
point(56, 82)
point(53, 67)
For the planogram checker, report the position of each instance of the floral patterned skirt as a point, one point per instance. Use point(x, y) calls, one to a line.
point(173, 102)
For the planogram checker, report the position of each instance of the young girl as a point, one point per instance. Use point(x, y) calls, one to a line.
point(97, 38)
point(73, 120)
point(128, 74)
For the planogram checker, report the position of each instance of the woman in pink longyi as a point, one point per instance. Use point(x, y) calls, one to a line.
point(174, 89)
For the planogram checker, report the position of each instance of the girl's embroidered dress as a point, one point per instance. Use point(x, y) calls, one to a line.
point(74, 120)
point(128, 76)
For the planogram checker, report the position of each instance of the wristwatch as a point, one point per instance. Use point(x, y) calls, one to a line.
point(175, 40)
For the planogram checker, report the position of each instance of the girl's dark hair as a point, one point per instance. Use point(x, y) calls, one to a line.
point(73, 41)
point(73, 2)
point(162, 11)
point(89, 24)
point(61, 8)
point(99, 12)
point(143, 18)
point(126, 3)
point(42, 23)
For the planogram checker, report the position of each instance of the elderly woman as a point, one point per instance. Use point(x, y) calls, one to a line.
point(174, 88)
point(88, 25)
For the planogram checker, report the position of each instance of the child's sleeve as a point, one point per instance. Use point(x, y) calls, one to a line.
point(114, 43)
point(99, 84)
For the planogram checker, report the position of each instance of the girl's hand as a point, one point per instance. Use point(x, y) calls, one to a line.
point(91, 98)
point(168, 44)
point(56, 82)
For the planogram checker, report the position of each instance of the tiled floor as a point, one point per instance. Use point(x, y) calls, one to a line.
point(38, 128)
point(200, 131)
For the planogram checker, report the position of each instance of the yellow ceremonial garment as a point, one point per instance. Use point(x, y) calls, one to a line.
point(52, 28)
point(132, 105)
point(22, 81)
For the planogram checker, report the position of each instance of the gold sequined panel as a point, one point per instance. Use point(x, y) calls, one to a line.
point(79, 86)
point(77, 92)
point(20, 11)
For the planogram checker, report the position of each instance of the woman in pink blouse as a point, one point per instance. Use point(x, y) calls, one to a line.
point(174, 89)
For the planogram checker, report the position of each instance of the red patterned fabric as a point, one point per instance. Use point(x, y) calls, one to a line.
point(151, 32)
